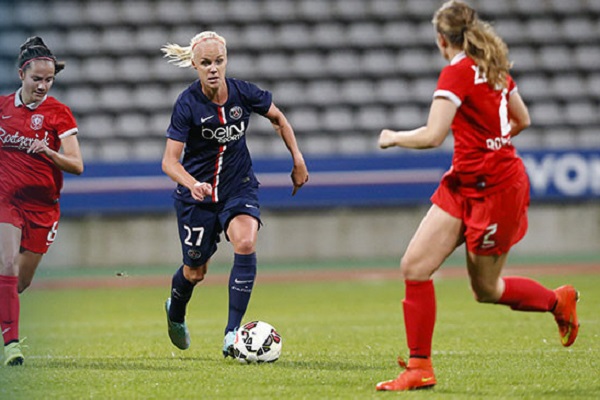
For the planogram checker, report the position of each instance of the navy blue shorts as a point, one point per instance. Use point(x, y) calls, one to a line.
point(200, 225)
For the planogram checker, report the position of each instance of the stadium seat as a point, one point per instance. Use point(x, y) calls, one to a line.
point(546, 114)
point(115, 99)
point(372, 119)
point(138, 13)
point(533, 87)
point(338, 119)
point(364, 34)
point(323, 93)
point(101, 13)
point(289, 93)
point(306, 120)
point(581, 113)
point(586, 58)
point(173, 12)
point(392, 91)
point(580, 29)
point(407, 117)
point(379, 62)
point(294, 36)
point(130, 125)
point(96, 126)
point(66, 13)
point(569, 87)
point(81, 101)
point(357, 92)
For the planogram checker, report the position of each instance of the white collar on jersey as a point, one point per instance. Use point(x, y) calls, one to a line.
point(457, 58)
point(31, 106)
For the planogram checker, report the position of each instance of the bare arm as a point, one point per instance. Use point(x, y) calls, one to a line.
point(69, 160)
point(440, 118)
point(518, 114)
point(284, 129)
point(173, 168)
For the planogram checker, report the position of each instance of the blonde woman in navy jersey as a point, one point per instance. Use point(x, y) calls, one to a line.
point(481, 201)
point(217, 189)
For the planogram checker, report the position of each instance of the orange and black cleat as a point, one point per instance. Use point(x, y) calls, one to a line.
point(565, 314)
point(418, 374)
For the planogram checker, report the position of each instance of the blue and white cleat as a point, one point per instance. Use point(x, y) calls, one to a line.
point(228, 344)
point(178, 332)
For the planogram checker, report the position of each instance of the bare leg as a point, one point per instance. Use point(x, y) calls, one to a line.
point(484, 272)
point(435, 239)
point(10, 239)
point(28, 263)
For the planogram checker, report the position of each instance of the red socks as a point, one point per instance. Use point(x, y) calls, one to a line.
point(419, 316)
point(419, 306)
point(9, 308)
point(524, 294)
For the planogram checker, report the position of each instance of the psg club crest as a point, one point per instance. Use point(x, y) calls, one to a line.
point(236, 112)
point(194, 254)
point(37, 120)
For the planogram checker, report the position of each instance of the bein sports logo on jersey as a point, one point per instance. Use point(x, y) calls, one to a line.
point(37, 121)
point(224, 134)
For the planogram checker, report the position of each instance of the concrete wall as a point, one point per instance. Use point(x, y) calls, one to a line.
point(307, 235)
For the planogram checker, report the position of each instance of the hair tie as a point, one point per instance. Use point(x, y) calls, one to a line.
point(36, 58)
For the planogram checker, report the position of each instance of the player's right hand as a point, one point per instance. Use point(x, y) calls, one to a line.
point(200, 190)
point(386, 139)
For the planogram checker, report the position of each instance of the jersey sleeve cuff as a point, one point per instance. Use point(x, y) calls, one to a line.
point(448, 95)
point(68, 133)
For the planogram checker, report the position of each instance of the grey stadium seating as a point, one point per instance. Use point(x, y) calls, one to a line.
point(340, 69)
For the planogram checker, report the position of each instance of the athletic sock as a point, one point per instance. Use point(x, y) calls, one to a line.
point(241, 281)
point(524, 294)
point(181, 293)
point(9, 308)
point(419, 317)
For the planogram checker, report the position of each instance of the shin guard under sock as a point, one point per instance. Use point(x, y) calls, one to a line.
point(181, 293)
point(524, 294)
point(9, 308)
point(419, 317)
point(241, 282)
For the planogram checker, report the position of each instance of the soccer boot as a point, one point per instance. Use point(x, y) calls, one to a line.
point(13, 354)
point(228, 344)
point(565, 314)
point(178, 331)
point(418, 374)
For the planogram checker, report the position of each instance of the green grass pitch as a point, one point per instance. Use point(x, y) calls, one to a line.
point(340, 339)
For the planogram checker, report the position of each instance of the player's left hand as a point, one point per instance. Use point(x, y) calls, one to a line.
point(299, 176)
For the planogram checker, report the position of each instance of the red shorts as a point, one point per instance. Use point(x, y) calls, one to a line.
point(38, 228)
point(493, 223)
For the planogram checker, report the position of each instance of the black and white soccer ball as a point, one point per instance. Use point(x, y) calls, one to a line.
point(257, 342)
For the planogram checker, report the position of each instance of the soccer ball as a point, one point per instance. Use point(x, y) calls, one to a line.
point(257, 342)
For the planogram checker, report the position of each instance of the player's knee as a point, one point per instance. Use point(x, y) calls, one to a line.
point(245, 246)
point(23, 284)
point(412, 270)
point(195, 275)
point(8, 266)
point(484, 293)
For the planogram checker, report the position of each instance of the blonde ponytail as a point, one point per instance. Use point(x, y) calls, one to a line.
point(461, 26)
point(182, 56)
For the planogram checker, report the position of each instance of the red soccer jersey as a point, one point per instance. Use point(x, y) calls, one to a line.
point(32, 179)
point(484, 156)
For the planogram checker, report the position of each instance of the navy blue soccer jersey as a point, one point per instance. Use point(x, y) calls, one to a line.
point(215, 137)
